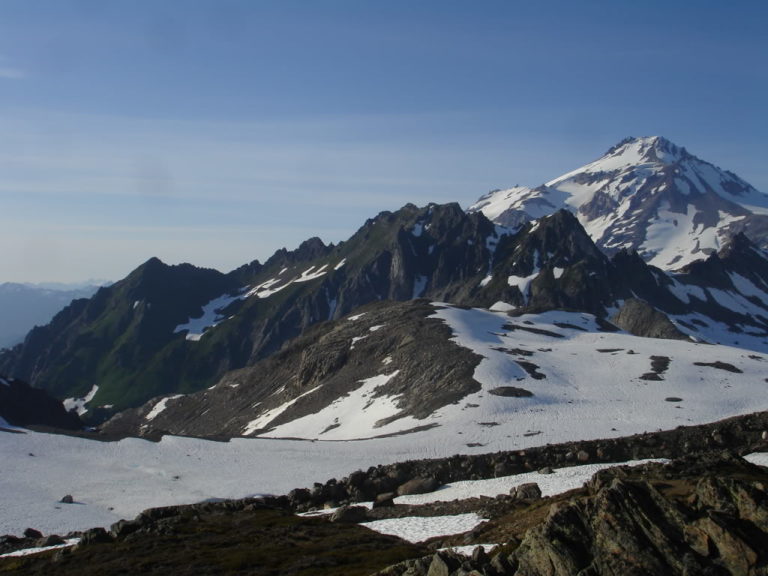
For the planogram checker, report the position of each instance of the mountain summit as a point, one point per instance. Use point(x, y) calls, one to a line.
point(645, 194)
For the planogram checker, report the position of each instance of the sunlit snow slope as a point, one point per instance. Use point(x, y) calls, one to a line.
point(645, 194)
point(556, 376)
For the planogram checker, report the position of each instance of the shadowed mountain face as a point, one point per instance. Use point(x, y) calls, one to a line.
point(22, 405)
point(648, 195)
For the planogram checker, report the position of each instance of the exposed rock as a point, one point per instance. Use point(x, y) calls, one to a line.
point(510, 391)
point(67, 499)
point(641, 319)
point(50, 540)
point(32, 533)
point(350, 514)
point(444, 564)
point(527, 491)
point(386, 500)
point(95, 536)
point(419, 485)
point(635, 526)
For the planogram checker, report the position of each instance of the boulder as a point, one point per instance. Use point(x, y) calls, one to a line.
point(95, 536)
point(444, 563)
point(418, 485)
point(32, 533)
point(51, 540)
point(386, 500)
point(350, 514)
point(527, 491)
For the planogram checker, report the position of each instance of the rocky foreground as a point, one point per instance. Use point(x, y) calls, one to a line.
point(705, 512)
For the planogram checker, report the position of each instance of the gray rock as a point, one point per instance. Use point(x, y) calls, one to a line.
point(51, 540)
point(419, 485)
point(528, 491)
point(350, 514)
point(67, 499)
point(386, 500)
point(444, 564)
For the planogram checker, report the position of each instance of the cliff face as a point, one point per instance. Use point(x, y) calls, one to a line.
point(661, 521)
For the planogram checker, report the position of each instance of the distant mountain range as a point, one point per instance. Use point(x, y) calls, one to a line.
point(24, 306)
point(261, 349)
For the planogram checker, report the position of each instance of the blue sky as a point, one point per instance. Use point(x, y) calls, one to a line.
point(215, 132)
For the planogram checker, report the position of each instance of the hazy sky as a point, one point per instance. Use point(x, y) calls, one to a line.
point(215, 132)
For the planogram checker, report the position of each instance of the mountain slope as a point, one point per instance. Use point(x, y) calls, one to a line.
point(644, 194)
point(441, 373)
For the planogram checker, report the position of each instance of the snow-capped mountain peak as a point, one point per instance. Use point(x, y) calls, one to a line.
point(634, 152)
point(645, 194)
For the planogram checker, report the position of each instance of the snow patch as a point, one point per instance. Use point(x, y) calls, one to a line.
point(196, 327)
point(161, 405)
point(418, 529)
point(78, 404)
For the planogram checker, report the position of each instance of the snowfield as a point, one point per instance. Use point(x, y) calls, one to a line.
point(579, 383)
point(585, 384)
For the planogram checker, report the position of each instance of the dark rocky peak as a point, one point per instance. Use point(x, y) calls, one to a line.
point(309, 250)
point(640, 279)
point(155, 279)
point(245, 273)
point(553, 264)
point(558, 240)
point(741, 256)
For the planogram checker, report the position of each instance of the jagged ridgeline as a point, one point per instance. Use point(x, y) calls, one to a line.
point(170, 329)
point(179, 329)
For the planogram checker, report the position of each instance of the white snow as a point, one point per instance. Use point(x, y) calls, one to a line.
point(557, 272)
point(29, 551)
point(523, 283)
point(759, 458)
point(196, 327)
point(350, 417)
point(356, 316)
point(418, 529)
point(264, 420)
point(340, 264)
point(160, 406)
point(561, 480)
point(312, 274)
point(78, 404)
point(586, 394)
point(642, 164)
